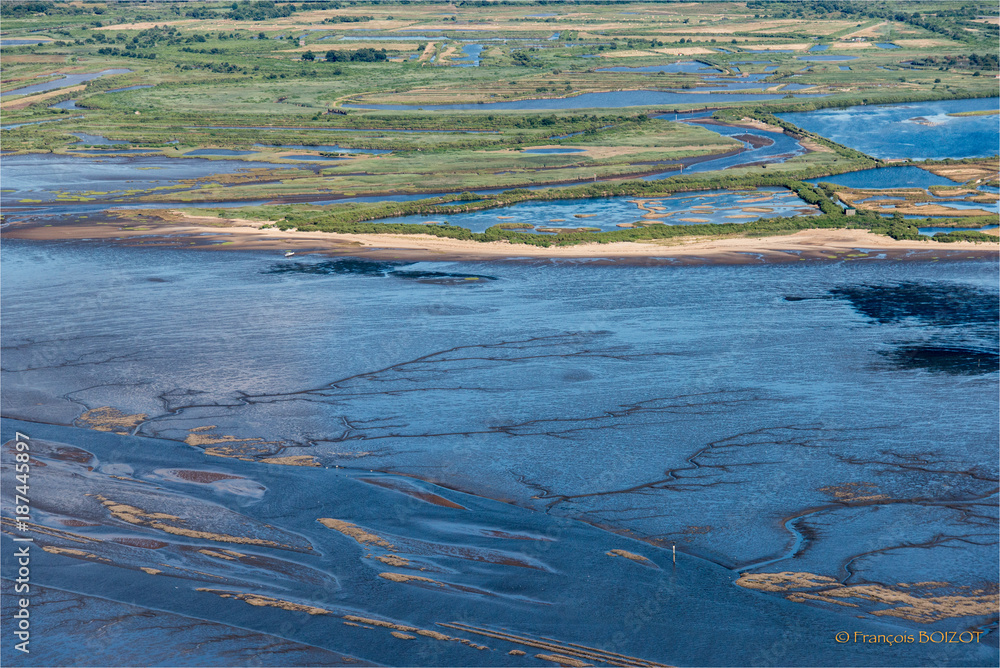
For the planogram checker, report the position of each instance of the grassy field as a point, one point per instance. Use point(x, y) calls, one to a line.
point(238, 76)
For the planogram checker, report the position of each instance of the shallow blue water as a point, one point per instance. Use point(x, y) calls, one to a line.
point(41, 176)
point(906, 176)
point(918, 130)
point(965, 206)
point(553, 150)
point(715, 206)
point(819, 47)
point(886, 45)
point(13, 126)
point(932, 231)
point(701, 406)
point(780, 149)
point(68, 80)
point(472, 55)
point(65, 104)
point(96, 139)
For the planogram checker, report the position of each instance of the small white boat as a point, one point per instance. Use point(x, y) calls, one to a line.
point(289, 253)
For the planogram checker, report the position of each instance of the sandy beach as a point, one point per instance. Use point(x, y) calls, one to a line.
point(181, 230)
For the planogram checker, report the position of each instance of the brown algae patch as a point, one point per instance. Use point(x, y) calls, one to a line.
point(354, 531)
point(785, 581)
point(563, 660)
point(413, 491)
point(366, 622)
point(638, 558)
point(297, 460)
point(566, 651)
point(144, 543)
point(202, 477)
point(108, 418)
point(262, 601)
point(854, 492)
point(393, 560)
point(903, 604)
point(140, 517)
point(421, 581)
point(70, 552)
point(230, 446)
point(400, 577)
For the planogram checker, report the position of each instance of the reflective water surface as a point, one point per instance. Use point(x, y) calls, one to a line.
point(441, 463)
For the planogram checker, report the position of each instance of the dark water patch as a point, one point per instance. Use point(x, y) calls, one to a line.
point(65, 104)
point(937, 304)
point(945, 359)
point(351, 266)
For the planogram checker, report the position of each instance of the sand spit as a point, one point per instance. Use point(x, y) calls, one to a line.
point(802, 245)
